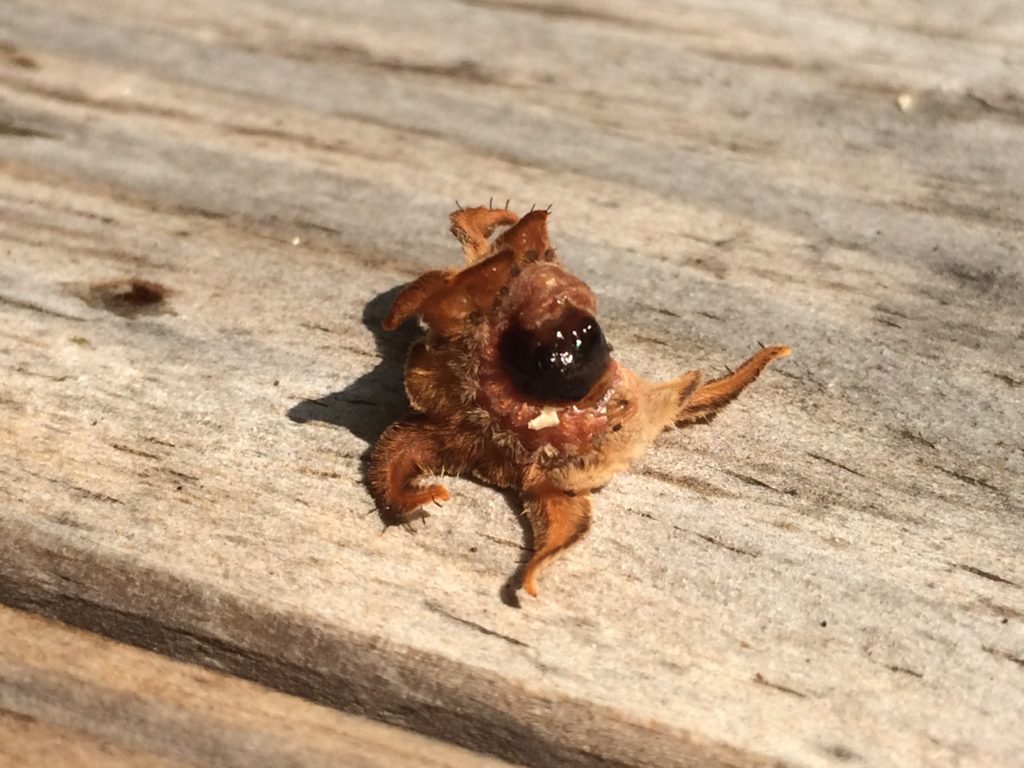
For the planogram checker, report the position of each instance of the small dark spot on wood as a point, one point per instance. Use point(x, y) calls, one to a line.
point(21, 716)
point(11, 55)
point(190, 210)
point(840, 752)
point(125, 298)
point(277, 382)
point(824, 623)
point(24, 61)
point(472, 549)
point(317, 327)
point(904, 670)
point(617, 428)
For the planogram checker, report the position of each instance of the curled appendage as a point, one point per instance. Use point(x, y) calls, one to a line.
point(473, 228)
point(445, 299)
point(558, 520)
point(710, 398)
point(401, 456)
point(412, 298)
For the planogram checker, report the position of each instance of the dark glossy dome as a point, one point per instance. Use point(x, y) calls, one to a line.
point(558, 362)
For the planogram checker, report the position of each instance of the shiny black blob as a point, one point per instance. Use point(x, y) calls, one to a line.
point(561, 361)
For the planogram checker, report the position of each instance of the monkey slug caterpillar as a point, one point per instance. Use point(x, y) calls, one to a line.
point(514, 384)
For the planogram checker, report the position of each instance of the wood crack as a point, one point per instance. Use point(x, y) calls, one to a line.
point(729, 547)
point(985, 574)
point(435, 608)
point(759, 483)
point(1018, 660)
point(837, 464)
point(33, 307)
point(761, 680)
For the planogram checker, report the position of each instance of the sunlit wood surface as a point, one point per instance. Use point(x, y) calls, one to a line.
point(829, 574)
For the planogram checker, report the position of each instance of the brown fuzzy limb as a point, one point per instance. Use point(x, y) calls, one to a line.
point(445, 299)
point(667, 400)
point(558, 520)
point(401, 456)
point(528, 239)
point(715, 395)
point(414, 296)
point(473, 228)
point(430, 384)
point(469, 292)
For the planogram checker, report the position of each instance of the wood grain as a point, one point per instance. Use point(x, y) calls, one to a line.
point(69, 698)
point(828, 575)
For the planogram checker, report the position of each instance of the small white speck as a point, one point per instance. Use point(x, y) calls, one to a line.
point(905, 101)
point(296, 241)
point(548, 417)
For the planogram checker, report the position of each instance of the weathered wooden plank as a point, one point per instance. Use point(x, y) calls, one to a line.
point(831, 572)
point(69, 698)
